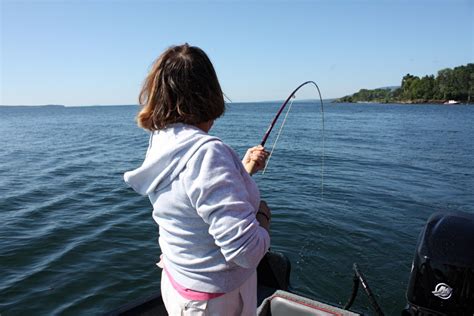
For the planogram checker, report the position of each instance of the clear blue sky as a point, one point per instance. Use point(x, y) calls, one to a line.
point(98, 52)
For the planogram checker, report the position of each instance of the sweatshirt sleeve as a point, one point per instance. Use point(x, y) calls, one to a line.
point(217, 191)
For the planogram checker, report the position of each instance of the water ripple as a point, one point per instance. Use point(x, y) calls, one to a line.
point(75, 240)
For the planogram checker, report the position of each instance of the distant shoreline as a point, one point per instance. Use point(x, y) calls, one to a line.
point(105, 105)
point(35, 106)
point(413, 102)
point(326, 101)
point(450, 86)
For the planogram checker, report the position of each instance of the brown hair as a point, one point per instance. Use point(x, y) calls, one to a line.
point(182, 87)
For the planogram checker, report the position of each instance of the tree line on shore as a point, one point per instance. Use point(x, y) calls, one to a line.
point(450, 84)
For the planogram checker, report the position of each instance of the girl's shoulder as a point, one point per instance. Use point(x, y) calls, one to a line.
point(216, 146)
point(215, 154)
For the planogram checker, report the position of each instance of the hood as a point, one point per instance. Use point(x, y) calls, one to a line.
point(168, 153)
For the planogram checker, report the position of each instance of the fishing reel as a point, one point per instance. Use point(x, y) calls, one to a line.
point(442, 276)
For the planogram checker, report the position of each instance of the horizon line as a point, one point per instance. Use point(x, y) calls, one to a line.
point(91, 105)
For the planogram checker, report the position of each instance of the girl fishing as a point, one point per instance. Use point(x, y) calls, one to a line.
point(213, 226)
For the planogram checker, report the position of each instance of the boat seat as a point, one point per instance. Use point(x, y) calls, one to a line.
point(283, 303)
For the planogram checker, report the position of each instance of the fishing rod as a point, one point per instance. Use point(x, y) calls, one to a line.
point(250, 167)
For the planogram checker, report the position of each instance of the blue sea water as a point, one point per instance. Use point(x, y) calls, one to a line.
point(75, 240)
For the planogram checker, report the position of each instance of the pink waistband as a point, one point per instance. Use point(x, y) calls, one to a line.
point(190, 294)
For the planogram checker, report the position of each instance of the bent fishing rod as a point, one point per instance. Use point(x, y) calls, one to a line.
point(250, 167)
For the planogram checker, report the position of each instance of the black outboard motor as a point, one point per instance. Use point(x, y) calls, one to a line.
point(442, 276)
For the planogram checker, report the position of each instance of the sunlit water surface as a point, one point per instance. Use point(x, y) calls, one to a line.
point(75, 240)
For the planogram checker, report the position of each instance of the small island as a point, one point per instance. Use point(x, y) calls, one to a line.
point(450, 86)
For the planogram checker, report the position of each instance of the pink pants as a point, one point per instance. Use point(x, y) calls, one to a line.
point(241, 301)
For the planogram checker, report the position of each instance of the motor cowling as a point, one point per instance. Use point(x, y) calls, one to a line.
point(442, 276)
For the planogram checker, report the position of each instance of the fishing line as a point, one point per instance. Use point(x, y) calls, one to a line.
point(225, 96)
point(272, 124)
point(278, 135)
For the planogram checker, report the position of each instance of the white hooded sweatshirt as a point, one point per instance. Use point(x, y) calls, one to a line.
point(205, 204)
